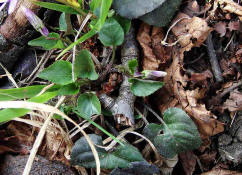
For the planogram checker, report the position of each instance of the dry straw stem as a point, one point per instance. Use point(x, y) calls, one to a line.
point(39, 140)
point(51, 109)
point(74, 48)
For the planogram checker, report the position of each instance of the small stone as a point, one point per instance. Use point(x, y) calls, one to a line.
point(232, 152)
point(14, 165)
point(239, 134)
point(224, 140)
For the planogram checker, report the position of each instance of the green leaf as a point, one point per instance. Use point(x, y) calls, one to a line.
point(88, 104)
point(132, 65)
point(56, 7)
point(125, 23)
point(8, 114)
point(20, 93)
point(69, 89)
point(24, 92)
point(135, 8)
point(62, 22)
point(121, 157)
point(144, 88)
point(94, 4)
point(83, 38)
point(104, 9)
point(179, 135)
point(162, 15)
point(59, 72)
point(51, 42)
point(111, 34)
point(84, 66)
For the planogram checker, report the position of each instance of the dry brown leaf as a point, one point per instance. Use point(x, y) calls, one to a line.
point(235, 25)
point(230, 6)
point(201, 78)
point(188, 160)
point(190, 32)
point(207, 159)
point(220, 27)
point(234, 103)
point(9, 143)
point(175, 83)
point(227, 68)
point(154, 53)
point(221, 171)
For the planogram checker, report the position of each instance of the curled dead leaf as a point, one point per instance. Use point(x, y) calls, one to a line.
point(154, 53)
point(234, 103)
point(231, 7)
point(175, 83)
point(191, 32)
point(188, 160)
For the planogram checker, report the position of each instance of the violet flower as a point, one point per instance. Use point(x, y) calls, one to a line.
point(152, 73)
point(11, 6)
point(35, 21)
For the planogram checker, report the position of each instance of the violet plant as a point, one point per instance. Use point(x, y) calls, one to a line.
point(68, 78)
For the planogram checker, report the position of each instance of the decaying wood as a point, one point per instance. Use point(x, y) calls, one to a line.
point(14, 34)
point(13, 30)
point(123, 107)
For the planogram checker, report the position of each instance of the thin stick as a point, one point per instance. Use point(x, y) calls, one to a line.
point(213, 60)
point(9, 76)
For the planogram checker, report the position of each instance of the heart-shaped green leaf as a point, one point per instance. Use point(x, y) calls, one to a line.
point(59, 72)
point(84, 66)
point(179, 135)
point(135, 8)
point(125, 23)
point(52, 42)
point(121, 157)
point(88, 104)
point(69, 89)
point(163, 14)
point(111, 34)
point(144, 88)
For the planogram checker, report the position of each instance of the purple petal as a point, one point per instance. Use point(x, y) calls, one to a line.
point(44, 31)
point(35, 21)
point(158, 73)
point(138, 74)
point(12, 5)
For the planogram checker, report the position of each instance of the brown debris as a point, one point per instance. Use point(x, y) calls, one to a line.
point(190, 32)
point(220, 27)
point(9, 144)
point(154, 53)
point(188, 160)
point(231, 7)
point(234, 103)
point(175, 83)
point(220, 171)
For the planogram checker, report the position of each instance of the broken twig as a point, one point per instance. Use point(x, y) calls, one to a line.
point(123, 106)
point(213, 59)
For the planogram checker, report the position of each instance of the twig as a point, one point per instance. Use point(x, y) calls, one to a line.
point(123, 106)
point(213, 59)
